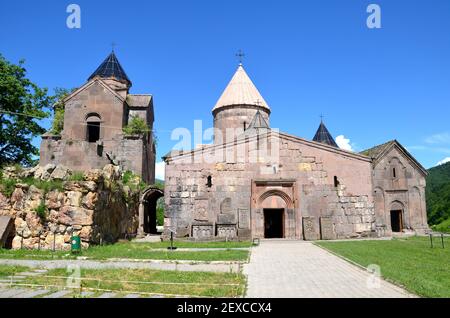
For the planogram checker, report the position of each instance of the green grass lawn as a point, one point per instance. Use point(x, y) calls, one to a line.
point(409, 262)
point(124, 281)
point(6, 270)
point(142, 251)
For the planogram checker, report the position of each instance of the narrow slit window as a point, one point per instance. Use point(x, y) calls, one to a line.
point(209, 182)
point(394, 173)
point(336, 182)
point(245, 125)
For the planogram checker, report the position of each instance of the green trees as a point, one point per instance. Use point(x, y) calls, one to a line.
point(58, 118)
point(438, 194)
point(22, 104)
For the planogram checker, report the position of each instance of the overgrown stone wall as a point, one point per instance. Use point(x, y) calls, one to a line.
point(50, 204)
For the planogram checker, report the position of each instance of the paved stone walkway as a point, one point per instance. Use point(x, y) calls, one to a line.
point(298, 269)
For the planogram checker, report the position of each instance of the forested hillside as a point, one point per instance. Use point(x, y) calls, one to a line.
point(438, 195)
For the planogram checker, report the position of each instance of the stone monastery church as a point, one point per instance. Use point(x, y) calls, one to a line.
point(258, 182)
point(254, 181)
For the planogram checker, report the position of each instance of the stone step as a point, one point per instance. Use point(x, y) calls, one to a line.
point(29, 274)
point(32, 293)
point(107, 295)
point(86, 294)
point(11, 292)
point(16, 277)
point(42, 271)
point(7, 281)
point(132, 296)
point(59, 294)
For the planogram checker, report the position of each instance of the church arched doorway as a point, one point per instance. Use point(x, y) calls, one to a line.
point(274, 205)
point(151, 203)
point(396, 213)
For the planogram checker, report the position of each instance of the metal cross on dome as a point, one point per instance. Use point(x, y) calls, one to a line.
point(240, 55)
point(321, 117)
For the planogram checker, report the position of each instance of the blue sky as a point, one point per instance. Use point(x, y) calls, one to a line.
point(305, 57)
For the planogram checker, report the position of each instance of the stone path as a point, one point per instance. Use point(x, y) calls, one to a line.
point(298, 269)
point(189, 266)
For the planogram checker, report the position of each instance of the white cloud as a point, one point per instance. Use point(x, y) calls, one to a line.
point(445, 160)
point(160, 168)
point(344, 143)
point(443, 138)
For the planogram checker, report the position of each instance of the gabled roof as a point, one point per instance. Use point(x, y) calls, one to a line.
point(111, 68)
point(374, 152)
point(241, 91)
point(89, 84)
point(138, 100)
point(323, 136)
point(258, 121)
point(277, 134)
point(378, 152)
point(257, 126)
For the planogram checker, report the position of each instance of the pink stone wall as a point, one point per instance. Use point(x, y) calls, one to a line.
point(405, 189)
point(300, 174)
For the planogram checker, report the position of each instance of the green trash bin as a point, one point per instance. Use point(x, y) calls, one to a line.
point(75, 244)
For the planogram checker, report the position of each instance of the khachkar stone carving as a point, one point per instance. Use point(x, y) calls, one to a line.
point(202, 231)
point(226, 215)
point(310, 231)
point(290, 223)
point(201, 210)
point(244, 218)
point(327, 229)
point(226, 230)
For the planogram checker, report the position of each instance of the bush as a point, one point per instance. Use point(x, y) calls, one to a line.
point(133, 181)
point(7, 186)
point(76, 176)
point(41, 211)
point(58, 122)
point(160, 212)
point(127, 177)
point(46, 186)
point(136, 126)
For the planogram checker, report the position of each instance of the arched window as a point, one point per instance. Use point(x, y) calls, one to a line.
point(93, 123)
point(394, 173)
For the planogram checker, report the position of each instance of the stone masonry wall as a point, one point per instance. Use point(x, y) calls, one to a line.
point(97, 208)
point(307, 168)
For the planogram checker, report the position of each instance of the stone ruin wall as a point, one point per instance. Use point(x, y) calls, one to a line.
point(97, 209)
point(196, 210)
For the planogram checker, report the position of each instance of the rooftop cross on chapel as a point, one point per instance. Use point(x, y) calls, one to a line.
point(240, 55)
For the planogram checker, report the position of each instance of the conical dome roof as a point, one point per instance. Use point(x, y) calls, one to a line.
point(323, 136)
point(241, 91)
point(111, 68)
